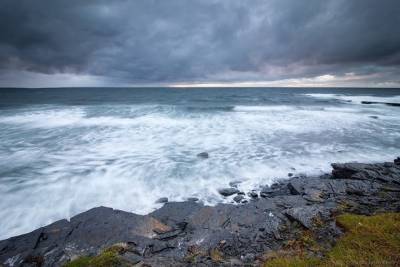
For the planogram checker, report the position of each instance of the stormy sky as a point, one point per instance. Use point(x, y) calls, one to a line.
point(200, 43)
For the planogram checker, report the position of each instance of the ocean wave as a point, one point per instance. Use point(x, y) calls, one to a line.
point(128, 156)
point(358, 99)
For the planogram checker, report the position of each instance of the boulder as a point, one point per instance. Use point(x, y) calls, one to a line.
point(252, 194)
point(228, 191)
point(238, 198)
point(307, 215)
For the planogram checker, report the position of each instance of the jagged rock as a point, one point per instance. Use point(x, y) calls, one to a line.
point(307, 215)
point(348, 170)
point(252, 194)
point(238, 198)
point(228, 191)
point(169, 235)
point(203, 155)
point(295, 187)
point(313, 195)
point(165, 237)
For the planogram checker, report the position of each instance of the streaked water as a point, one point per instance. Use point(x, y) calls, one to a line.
point(63, 151)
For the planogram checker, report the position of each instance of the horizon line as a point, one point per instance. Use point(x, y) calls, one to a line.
point(203, 87)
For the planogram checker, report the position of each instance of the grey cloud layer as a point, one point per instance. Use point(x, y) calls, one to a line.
point(159, 41)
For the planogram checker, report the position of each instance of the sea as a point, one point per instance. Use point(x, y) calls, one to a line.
point(66, 150)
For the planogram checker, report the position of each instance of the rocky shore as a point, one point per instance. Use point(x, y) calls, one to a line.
point(190, 233)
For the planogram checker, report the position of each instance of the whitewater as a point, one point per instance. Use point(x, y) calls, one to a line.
point(66, 150)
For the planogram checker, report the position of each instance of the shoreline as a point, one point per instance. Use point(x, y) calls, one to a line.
point(190, 233)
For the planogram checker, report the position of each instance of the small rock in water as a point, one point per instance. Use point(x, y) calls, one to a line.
point(193, 199)
point(252, 194)
point(203, 155)
point(374, 117)
point(241, 193)
point(290, 174)
point(234, 184)
point(238, 198)
point(162, 200)
point(228, 191)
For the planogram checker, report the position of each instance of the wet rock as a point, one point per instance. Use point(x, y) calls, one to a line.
point(193, 199)
point(374, 117)
point(162, 200)
point(348, 170)
point(252, 194)
point(290, 174)
point(238, 198)
point(234, 184)
point(242, 233)
point(203, 155)
point(295, 187)
point(228, 191)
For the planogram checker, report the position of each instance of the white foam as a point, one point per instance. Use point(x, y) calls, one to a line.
point(78, 158)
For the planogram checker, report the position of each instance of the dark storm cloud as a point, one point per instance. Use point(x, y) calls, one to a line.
point(158, 41)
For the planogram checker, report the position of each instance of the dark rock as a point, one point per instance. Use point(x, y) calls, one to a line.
point(132, 258)
point(203, 155)
point(307, 215)
point(348, 170)
point(169, 235)
point(193, 199)
point(252, 194)
point(313, 195)
point(162, 200)
point(228, 191)
point(290, 174)
point(374, 117)
point(243, 233)
point(385, 103)
point(241, 193)
point(234, 184)
point(238, 198)
point(295, 187)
